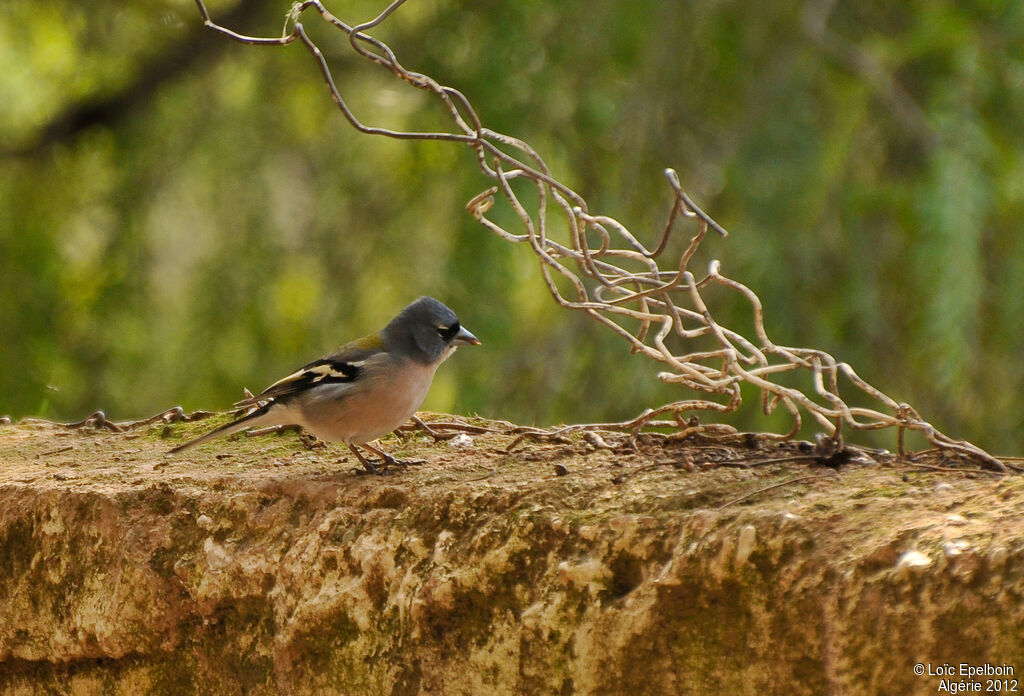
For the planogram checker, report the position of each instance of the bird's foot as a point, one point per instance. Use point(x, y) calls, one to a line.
point(387, 460)
point(375, 469)
point(310, 441)
point(386, 465)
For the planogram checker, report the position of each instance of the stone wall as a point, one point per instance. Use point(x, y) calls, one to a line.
point(265, 568)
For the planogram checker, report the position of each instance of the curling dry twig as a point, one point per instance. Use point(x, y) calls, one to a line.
point(780, 484)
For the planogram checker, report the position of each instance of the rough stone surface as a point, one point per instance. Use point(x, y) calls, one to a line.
point(257, 566)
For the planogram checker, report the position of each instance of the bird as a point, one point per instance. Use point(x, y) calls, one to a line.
point(363, 391)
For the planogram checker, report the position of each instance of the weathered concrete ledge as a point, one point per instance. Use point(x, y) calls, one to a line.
point(260, 567)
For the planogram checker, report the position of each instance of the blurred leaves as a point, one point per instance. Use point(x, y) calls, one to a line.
point(184, 216)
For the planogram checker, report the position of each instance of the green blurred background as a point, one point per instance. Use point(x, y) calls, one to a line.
point(182, 215)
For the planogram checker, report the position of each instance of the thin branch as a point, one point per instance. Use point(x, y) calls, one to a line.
point(780, 484)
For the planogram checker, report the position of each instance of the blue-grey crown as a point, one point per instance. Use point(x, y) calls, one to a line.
point(423, 330)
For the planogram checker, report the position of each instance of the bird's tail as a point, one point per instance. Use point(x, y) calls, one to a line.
point(258, 417)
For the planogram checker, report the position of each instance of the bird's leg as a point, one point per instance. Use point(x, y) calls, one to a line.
point(367, 464)
point(388, 460)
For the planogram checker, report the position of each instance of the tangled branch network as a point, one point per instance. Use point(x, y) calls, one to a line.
point(597, 266)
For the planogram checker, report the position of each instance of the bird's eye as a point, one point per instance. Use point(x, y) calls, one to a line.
point(448, 332)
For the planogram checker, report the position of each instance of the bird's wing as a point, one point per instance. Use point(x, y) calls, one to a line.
point(343, 366)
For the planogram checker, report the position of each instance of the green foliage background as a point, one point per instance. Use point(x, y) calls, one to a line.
point(181, 215)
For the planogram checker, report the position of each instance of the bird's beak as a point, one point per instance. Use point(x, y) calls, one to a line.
point(465, 338)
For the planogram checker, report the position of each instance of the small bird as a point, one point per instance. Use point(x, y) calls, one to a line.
point(366, 389)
